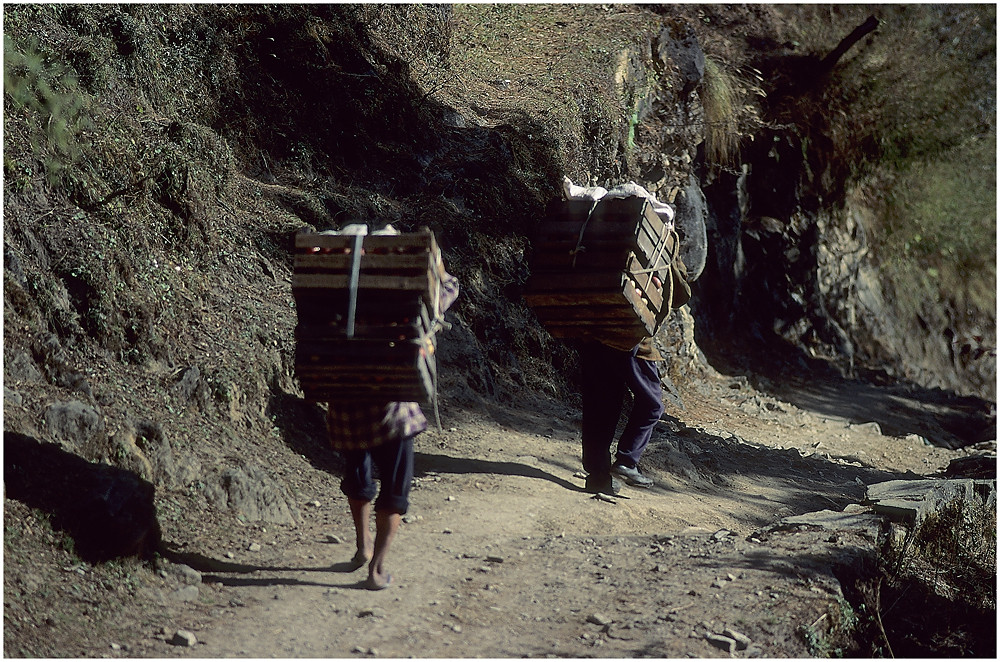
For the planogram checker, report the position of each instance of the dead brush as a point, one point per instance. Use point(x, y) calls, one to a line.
point(954, 551)
point(937, 591)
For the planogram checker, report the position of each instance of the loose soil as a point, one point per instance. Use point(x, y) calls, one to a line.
point(504, 555)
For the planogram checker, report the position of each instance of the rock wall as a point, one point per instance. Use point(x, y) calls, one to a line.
point(788, 260)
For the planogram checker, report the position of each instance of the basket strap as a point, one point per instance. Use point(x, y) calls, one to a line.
point(583, 228)
point(352, 287)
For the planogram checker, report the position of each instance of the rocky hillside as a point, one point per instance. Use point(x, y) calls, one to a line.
point(159, 159)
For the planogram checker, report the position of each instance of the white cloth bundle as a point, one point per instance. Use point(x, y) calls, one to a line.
point(362, 229)
point(627, 190)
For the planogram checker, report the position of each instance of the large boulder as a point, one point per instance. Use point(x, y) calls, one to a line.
point(691, 209)
point(250, 492)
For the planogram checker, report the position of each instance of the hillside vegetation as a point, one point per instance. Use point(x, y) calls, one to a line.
point(159, 160)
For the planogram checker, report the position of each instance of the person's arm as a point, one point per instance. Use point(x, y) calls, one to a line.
point(449, 292)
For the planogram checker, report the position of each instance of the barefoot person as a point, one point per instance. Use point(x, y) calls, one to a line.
point(376, 436)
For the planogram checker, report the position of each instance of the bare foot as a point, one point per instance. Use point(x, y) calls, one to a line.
point(357, 562)
point(360, 558)
point(377, 582)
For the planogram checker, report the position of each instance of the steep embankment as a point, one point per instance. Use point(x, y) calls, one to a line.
point(159, 159)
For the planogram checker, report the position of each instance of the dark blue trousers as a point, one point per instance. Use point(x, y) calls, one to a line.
point(607, 373)
point(394, 461)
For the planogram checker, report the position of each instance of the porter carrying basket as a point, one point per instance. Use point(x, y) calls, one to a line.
point(367, 316)
point(593, 266)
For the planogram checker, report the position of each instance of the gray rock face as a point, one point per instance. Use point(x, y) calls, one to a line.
point(690, 219)
point(179, 572)
point(253, 494)
point(20, 366)
point(167, 468)
point(12, 397)
point(73, 423)
point(191, 389)
point(680, 45)
point(913, 500)
point(184, 638)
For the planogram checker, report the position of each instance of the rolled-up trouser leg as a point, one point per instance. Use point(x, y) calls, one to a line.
point(395, 467)
point(358, 482)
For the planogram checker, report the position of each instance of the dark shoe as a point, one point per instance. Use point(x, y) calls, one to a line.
point(606, 485)
point(631, 476)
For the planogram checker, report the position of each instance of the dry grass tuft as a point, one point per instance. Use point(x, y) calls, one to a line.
point(722, 100)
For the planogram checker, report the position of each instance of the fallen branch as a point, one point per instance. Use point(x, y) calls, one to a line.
point(828, 62)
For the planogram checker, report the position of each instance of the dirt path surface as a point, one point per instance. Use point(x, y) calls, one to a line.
point(504, 555)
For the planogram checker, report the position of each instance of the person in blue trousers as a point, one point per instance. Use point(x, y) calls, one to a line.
point(607, 372)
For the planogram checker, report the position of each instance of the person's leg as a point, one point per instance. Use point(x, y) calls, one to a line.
point(603, 390)
point(395, 465)
point(386, 525)
point(361, 512)
point(359, 487)
point(643, 380)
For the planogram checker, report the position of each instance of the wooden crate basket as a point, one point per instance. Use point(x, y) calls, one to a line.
point(374, 342)
point(592, 270)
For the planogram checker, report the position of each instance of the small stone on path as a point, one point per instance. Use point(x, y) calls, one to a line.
point(184, 638)
point(742, 641)
point(187, 593)
point(599, 619)
point(719, 641)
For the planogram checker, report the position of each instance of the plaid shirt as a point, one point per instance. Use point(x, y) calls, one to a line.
point(362, 425)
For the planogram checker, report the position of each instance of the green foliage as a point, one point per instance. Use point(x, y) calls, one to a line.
point(937, 137)
point(833, 633)
point(956, 547)
point(914, 91)
point(919, 86)
point(816, 641)
point(39, 85)
point(935, 233)
point(910, 112)
point(944, 210)
point(582, 86)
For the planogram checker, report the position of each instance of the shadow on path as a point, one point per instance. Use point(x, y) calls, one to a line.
point(429, 462)
point(709, 464)
point(944, 418)
point(229, 573)
point(108, 512)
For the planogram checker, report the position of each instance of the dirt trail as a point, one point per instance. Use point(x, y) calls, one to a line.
point(504, 555)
